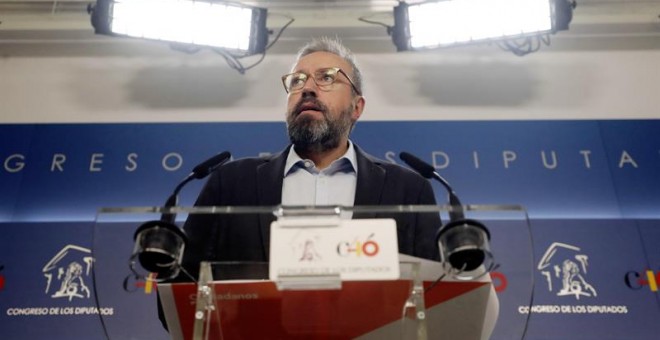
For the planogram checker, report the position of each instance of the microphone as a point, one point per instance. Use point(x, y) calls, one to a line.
point(159, 244)
point(464, 243)
point(200, 171)
point(427, 171)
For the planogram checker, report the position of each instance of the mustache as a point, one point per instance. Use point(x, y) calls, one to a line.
point(309, 104)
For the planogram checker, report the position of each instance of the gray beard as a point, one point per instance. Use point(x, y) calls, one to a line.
point(312, 135)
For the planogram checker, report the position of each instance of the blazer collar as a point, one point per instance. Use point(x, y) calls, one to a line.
point(370, 181)
point(269, 179)
point(269, 187)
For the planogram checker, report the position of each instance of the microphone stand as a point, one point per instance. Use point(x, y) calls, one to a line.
point(463, 243)
point(159, 244)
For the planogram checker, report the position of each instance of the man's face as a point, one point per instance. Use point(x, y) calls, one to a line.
point(317, 118)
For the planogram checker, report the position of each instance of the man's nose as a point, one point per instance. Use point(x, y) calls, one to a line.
point(309, 88)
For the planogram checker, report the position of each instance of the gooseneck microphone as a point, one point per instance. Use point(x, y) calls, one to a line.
point(427, 171)
point(198, 172)
point(463, 243)
point(159, 244)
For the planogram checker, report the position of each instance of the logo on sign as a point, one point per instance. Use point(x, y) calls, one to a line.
point(133, 283)
point(304, 247)
point(500, 282)
point(68, 273)
point(308, 251)
point(636, 280)
point(365, 247)
point(565, 268)
point(2, 277)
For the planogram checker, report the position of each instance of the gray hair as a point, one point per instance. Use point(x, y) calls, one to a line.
point(334, 46)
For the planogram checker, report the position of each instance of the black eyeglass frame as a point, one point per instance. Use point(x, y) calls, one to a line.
point(336, 69)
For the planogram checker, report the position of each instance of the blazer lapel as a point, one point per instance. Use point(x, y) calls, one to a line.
point(370, 181)
point(270, 175)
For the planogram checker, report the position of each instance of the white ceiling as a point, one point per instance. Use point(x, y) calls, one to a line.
point(597, 24)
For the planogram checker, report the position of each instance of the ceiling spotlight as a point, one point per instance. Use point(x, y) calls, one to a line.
point(437, 24)
point(226, 25)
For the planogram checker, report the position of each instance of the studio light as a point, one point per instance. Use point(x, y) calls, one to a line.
point(229, 26)
point(436, 24)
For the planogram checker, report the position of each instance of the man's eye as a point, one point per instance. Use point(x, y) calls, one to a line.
point(297, 81)
point(328, 78)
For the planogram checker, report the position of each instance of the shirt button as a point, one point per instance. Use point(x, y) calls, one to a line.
point(308, 164)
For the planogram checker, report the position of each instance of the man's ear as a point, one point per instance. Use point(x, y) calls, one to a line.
point(358, 107)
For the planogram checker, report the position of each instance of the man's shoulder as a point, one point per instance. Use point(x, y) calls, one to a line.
point(250, 163)
point(398, 171)
point(392, 169)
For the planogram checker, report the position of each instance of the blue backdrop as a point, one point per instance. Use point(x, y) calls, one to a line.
point(592, 190)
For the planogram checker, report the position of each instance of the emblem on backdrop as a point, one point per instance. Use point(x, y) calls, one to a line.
point(68, 273)
point(565, 268)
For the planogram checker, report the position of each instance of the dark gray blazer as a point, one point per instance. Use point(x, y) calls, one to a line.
point(258, 182)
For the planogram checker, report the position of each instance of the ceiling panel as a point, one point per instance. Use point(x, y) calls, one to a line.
point(30, 27)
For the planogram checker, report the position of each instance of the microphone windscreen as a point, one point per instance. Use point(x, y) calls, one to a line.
point(423, 168)
point(205, 168)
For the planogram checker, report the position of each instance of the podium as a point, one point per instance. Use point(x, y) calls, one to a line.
point(242, 300)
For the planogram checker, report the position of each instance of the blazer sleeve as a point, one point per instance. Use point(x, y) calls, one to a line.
point(426, 226)
point(201, 229)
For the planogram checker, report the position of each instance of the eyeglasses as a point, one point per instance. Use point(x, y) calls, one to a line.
point(324, 78)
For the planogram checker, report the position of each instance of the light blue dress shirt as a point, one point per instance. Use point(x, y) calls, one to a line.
point(305, 184)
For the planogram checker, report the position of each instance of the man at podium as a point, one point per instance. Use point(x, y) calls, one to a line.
point(321, 166)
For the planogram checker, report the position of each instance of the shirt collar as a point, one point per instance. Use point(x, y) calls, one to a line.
point(294, 161)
